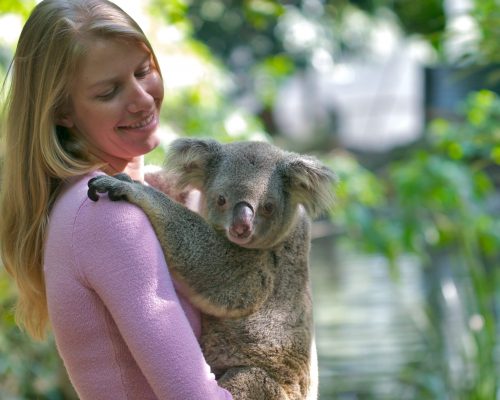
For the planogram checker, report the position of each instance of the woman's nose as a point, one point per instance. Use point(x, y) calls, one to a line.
point(140, 99)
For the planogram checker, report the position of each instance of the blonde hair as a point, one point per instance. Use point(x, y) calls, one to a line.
point(39, 155)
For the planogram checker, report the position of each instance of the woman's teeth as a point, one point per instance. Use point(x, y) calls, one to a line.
point(141, 124)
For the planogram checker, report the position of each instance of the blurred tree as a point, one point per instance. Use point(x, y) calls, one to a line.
point(426, 17)
point(21, 7)
point(437, 202)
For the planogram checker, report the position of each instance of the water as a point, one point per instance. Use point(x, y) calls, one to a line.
point(368, 323)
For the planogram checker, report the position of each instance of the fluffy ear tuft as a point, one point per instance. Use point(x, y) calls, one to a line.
point(188, 159)
point(310, 183)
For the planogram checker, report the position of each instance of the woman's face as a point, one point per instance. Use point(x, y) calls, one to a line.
point(115, 101)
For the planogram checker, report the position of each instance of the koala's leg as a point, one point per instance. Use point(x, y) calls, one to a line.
point(219, 277)
point(252, 383)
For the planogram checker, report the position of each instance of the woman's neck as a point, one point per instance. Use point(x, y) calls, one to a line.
point(134, 168)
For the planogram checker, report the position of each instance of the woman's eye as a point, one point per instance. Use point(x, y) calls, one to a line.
point(143, 72)
point(107, 95)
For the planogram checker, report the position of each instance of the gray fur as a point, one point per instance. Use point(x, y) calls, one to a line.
point(247, 269)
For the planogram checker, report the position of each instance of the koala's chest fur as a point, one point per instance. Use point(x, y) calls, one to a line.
point(280, 331)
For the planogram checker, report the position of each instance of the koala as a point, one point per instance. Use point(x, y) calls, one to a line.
point(243, 261)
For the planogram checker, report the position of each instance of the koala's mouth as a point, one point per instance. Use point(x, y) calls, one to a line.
point(239, 239)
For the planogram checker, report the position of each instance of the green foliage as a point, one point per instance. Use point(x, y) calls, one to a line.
point(173, 11)
point(202, 111)
point(28, 370)
point(476, 141)
point(247, 24)
point(487, 15)
point(269, 75)
point(359, 197)
point(22, 7)
point(436, 201)
point(436, 191)
point(425, 18)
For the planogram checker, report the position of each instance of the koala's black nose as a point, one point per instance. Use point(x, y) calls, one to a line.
point(242, 219)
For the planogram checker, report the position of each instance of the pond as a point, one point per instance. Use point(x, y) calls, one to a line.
point(369, 323)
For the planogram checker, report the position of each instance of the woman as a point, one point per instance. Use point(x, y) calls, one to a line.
point(85, 98)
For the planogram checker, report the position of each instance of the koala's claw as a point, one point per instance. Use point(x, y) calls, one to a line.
point(116, 187)
point(92, 192)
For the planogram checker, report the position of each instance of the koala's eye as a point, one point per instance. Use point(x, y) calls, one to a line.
point(268, 208)
point(221, 200)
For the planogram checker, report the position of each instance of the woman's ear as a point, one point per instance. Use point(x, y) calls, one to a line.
point(65, 120)
point(63, 115)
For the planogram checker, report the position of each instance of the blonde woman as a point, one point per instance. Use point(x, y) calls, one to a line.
point(85, 95)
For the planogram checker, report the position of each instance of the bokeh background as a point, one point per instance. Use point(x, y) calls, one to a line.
point(400, 98)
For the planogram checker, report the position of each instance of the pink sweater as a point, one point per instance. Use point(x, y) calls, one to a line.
point(121, 328)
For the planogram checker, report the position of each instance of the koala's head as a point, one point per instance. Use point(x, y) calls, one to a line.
point(251, 190)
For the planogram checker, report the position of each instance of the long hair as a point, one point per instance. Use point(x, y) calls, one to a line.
point(39, 155)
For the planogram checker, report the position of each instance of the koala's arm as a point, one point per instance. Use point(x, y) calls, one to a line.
point(220, 278)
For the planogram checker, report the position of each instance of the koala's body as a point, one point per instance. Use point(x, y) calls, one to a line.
point(244, 261)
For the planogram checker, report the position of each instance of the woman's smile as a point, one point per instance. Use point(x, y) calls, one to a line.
point(147, 124)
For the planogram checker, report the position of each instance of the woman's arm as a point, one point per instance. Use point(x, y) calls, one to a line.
point(122, 261)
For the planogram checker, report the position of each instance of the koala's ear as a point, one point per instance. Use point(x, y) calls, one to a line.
point(309, 183)
point(188, 159)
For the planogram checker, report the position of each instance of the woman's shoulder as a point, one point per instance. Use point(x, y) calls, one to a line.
point(73, 192)
point(74, 206)
point(96, 233)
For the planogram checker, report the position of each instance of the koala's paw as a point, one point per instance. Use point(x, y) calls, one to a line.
point(117, 187)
